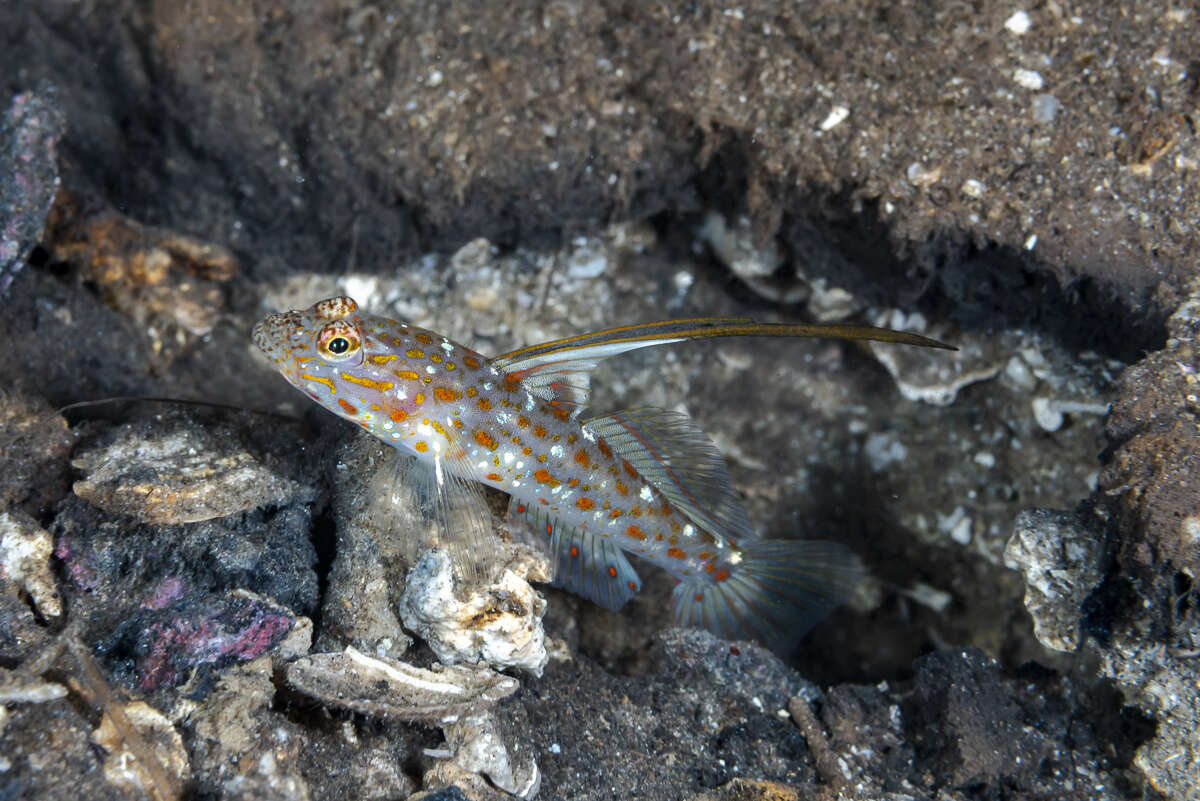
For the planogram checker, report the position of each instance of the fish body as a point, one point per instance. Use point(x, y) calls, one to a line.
point(645, 482)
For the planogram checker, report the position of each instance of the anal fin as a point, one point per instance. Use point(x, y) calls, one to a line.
point(584, 563)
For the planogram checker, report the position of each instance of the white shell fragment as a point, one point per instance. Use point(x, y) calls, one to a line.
point(388, 688)
point(935, 377)
point(121, 766)
point(25, 549)
point(499, 623)
point(477, 747)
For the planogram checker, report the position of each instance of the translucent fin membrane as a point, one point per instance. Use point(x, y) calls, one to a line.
point(779, 590)
point(672, 453)
point(585, 564)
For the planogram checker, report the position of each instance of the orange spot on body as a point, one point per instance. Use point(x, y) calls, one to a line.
point(631, 470)
point(485, 404)
point(615, 513)
point(526, 451)
point(523, 421)
point(635, 532)
point(676, 553)
point(581, 456)
point(485, 439)
point(539, 430)
point(471, 362)
point(494, 477)
point(636, 511)
point(543, 477)
point(721, 574)
point(383, 358)
point(612, 571)
point(561, 414)
point(604, 449)
point(699, 597)
point(407, 375)
point(419, 398)
point(521, 508)
point(347, 406)
point(622, 488)
point(424, 339)
point(435, 357)
point(472, 392)
point(543, 502)
point(446, 395)
point(422, 446)
point(574, 550)
point(378, 386)
point(320, 380)
point(414, 353)
point(585, 504)
point(399, 415)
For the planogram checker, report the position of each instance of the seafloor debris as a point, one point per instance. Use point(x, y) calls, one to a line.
point(29, 131)
point(478, 749)
point(34, 446)
point(164, 280)
point(25, 549)
point(1061, 558)
point(498, 622)
point(122, 766)
point(176, 472)
point(170, 643)
point(1150, 484)
point(388, 688)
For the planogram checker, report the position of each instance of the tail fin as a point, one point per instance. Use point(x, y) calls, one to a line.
point(775, 594)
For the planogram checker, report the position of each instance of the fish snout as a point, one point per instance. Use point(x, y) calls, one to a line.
point(273, 335)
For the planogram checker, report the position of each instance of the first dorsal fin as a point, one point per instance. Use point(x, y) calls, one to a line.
point(682, 463)
point(559, 372)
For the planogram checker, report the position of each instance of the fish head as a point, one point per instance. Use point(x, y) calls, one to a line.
point(325, 335)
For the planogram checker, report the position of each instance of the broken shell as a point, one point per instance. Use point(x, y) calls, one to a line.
point(387, 688)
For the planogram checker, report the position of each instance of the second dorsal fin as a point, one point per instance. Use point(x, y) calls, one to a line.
point(672, 453)
point(583, 563)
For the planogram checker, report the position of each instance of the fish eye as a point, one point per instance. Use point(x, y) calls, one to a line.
point(339, 341)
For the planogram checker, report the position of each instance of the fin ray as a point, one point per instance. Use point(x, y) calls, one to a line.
point(559, 371)
point(586, 564)
point(671, 452)
point(779, 590)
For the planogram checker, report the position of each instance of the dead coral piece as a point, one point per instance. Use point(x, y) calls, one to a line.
point(25, 549)
point(177, 473)
point(1060, 558)
point(163, 280)
point(121, 765)
point(387, 688)
point(499, 623)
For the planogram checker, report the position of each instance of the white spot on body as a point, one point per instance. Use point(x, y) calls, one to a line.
point(1018, 23)
point(645, 493)
point(446, 346)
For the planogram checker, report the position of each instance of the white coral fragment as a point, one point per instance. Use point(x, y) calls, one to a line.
point(499, 623)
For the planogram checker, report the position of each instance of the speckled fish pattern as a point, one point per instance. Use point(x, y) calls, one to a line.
point(645, 482)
